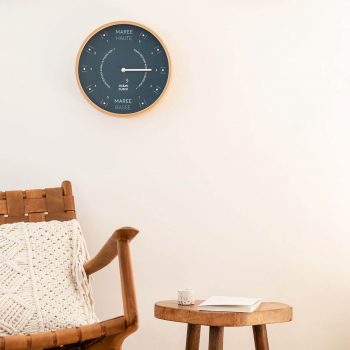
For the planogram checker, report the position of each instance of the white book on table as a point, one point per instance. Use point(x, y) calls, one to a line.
point(230, 304)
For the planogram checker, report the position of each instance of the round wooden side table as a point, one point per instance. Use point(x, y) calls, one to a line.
point(266, 313)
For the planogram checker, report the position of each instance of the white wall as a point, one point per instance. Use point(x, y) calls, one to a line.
point(238, 180)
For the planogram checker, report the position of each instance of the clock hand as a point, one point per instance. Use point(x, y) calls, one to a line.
point(136, 70)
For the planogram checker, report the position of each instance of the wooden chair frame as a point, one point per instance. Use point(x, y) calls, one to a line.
point(58, 204)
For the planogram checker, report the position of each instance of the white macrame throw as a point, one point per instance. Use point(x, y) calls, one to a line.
point(43, 285)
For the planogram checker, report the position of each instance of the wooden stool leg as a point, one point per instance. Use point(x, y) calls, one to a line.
point(193, 336)
point(216, 338)
point(260, 337)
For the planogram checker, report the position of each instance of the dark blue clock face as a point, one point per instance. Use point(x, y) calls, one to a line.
point(123, 69)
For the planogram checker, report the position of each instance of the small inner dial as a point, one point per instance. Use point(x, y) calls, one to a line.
point(123, 68)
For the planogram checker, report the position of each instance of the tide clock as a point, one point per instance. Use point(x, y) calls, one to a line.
point(123, 69)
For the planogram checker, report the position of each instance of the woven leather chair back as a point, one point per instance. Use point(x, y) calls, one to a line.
point(37, 205)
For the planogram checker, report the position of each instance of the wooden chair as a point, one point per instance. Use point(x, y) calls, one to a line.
point(58, 204)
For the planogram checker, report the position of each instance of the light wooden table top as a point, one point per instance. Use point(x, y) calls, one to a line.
point(266, 313)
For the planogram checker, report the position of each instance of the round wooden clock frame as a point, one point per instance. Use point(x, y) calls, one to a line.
point(77, 68)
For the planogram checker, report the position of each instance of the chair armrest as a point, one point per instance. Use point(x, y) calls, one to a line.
point(110, 250)
point(128, 286)
point(118, 244)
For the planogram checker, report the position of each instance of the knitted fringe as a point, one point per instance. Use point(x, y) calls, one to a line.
point(83, 282)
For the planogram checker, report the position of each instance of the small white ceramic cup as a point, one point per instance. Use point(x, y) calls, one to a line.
point(185, 296)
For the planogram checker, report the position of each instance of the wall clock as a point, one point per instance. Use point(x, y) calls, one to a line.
point(123, 69)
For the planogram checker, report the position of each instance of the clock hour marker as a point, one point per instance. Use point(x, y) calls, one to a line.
point(88, 49)
point(156, 90)
point(104, 104)
point(158, 50)
point(143, 35)
point(162, 70)
point(90, 89)
point(104, 35)
point(143, 103)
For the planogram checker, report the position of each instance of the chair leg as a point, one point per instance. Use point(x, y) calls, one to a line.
point(216, 338)
point(260, 337)
point(193, 336)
